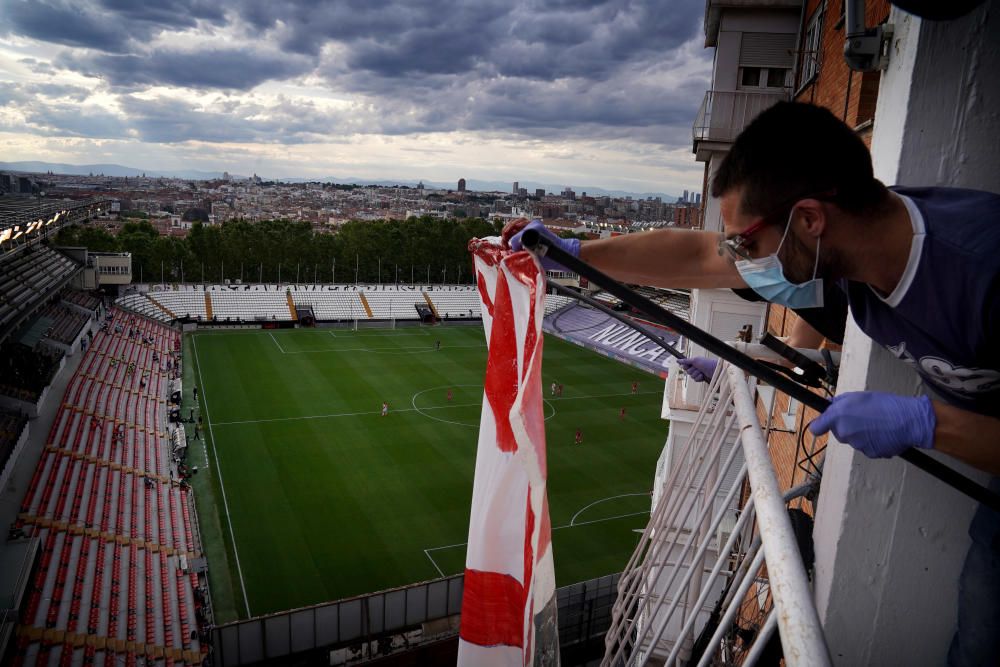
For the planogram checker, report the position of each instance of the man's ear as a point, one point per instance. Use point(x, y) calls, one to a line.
point(811, 217)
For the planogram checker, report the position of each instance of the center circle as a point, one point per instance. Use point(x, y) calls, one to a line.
point(426, 411)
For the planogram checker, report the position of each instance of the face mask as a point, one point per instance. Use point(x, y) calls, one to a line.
point(766, 276)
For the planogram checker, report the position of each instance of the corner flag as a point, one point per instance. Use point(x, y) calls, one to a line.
point(509, 602)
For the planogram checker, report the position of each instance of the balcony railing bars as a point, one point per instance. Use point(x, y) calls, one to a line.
point(691, 564)
point(725, 113)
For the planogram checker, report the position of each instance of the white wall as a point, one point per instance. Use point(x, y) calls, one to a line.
point(890, 540)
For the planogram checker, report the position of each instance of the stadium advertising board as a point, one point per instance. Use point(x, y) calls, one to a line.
point(593, 329)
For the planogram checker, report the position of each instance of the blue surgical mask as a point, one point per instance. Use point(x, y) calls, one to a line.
point(766, 276)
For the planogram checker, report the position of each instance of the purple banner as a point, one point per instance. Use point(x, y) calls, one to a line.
point(602, 333)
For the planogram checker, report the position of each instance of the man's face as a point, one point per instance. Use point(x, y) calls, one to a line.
point(797, 257)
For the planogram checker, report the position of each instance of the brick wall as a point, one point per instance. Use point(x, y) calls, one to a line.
point(849, 95)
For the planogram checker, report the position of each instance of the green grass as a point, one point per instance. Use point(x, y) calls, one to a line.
point(327, 499)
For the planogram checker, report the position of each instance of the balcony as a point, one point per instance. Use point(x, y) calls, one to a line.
point(718, 569)
point(724, 113)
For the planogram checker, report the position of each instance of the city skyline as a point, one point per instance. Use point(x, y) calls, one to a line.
point(601, 94)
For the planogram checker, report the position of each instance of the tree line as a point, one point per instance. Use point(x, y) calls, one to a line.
point(417, 250)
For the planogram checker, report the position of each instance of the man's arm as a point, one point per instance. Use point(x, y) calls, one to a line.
point(804, 335)
point(968, 436)
point(664, 258)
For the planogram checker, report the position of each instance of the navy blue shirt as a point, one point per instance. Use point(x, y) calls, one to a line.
point(943, 318)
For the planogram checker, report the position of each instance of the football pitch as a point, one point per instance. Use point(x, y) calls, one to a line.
point(306, 493)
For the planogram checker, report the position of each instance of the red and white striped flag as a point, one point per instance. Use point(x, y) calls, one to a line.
point(509, 603)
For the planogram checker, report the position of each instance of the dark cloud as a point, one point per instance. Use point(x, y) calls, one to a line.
point(584, 69)
point(223, 69)
point(72, 121)
point(109, 26)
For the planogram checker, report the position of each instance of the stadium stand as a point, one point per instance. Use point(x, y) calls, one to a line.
point(330, 305)
point(457, 303)
point(82, 300)
point(143, 305)
point(28, 279)
point(113, 516)
point(26, 372)
point(65, 325)
point(554, 302)
point(241, 304)
point(186, 301)
point(11, 428)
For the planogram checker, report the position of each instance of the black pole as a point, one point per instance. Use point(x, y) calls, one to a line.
point(542, 246)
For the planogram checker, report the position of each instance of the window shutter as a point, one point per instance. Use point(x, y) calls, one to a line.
point(767, 49)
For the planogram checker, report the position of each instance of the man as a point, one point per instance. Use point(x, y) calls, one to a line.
point(920, 268)
point(449, 395)
point(579, 436)
point(794, 222)
point(635, 386)
point(621, 415)
point(552, 389)
point(385, 408)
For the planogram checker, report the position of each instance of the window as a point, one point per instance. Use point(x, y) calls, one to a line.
point(765, 60)
point(791, 413)
point(810, 48)
point(763, 77)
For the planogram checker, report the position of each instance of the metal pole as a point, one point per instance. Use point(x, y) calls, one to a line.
point(297, 265)
point(380, 270)
point(801, 634)
point(333, 271)
point(542, 247)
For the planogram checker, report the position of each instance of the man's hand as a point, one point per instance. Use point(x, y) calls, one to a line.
point(877, 424)
point(514, 230)
point(699, 369)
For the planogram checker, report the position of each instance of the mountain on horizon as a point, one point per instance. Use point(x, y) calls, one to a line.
point(105, 169)
point(119, 171)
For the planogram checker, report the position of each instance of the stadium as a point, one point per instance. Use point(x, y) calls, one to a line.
point(205, 462)
point(223, 452)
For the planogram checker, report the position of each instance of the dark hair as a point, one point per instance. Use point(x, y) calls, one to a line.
point(794, 150)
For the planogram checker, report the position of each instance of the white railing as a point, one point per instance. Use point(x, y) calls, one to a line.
point(724, 113)
point(688, 583)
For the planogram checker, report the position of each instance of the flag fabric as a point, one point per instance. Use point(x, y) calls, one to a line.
point(509, 602)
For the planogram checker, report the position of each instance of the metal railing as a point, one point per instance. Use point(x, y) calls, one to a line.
point(724, 113)
point(683, 597)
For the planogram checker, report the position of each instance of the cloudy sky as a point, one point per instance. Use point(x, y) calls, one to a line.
point(573, 92)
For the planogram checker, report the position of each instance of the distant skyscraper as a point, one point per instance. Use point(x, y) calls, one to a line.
point(697, 198)
point(540, 192)
point(515, 188)
point(685, 195)
point(461, 185)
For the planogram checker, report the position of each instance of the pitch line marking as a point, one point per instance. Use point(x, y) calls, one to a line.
point(382, 350)
point(222, 486)
point(569, 525)
point(276, 342)
point(598, 502)
point(433, 562)
point(375, 335)
point(413, 402)
point(435, 407)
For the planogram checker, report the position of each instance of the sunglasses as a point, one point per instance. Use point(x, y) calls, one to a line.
point(735, 247)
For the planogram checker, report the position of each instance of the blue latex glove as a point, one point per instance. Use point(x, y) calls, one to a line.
point(699, 369)
point(572, 246)
point(877, 424)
